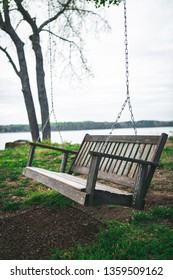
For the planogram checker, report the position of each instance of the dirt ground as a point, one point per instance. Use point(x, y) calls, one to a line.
point(33, 233)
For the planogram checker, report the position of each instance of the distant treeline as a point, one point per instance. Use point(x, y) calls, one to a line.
point(86, 125)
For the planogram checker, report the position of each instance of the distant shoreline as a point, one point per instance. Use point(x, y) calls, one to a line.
point(87, 125)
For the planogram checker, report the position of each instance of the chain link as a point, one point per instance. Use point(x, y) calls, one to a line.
point(127, 68)
point(127, 100)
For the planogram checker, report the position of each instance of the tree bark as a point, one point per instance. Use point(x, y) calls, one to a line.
point(27, 92)
point(23, 73)
point(40, 76)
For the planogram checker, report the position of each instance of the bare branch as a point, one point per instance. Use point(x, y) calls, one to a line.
point(72, 43)
point(4, 50)
point(56, 15)
point(26, 15)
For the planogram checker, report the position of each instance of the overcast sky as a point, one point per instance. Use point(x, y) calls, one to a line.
point(150, 37)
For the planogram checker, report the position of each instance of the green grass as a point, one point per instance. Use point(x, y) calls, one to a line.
point(143, 238)
point(50, 198)
point(11, 206)
point(13, 185)
point(154, 214)
point(166, 161)
point(124, 241)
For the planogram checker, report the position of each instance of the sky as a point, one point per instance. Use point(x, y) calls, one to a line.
point(99, 98)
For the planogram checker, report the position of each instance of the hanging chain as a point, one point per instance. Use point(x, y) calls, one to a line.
point(127, 68)
point(127, 100)
point(52, 111)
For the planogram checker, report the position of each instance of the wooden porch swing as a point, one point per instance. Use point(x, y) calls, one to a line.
point(129, 161)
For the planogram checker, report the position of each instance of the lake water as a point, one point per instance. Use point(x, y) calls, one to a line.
point(76, 136)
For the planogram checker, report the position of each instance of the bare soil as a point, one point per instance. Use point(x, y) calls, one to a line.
point(33, 233)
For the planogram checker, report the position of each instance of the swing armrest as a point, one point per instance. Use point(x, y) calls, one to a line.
point(94, 169)
point(52, 148)
point(139, 161)
point(64, 151)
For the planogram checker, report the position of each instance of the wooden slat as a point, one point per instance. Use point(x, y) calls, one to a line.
point(136, 155)
point(152, 152)
point(114, 162)
point(93, 147)
point(125, 165)
point(104, 161)
point(106, 197)
point(73, 187)
point(106, 165)
point(110, 165)
point(150, 139)
point(120, 164)
point(66, 187)
point(83, 153)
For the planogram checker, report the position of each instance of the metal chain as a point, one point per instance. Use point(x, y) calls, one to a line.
point(52, 111)
point(127, 100)
point(127, 68)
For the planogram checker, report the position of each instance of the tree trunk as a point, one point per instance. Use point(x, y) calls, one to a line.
point(24, 77)
point(40, 76)
point(23, 73)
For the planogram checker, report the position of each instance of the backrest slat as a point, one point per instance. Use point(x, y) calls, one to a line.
point(137, 147)
point(126, 165)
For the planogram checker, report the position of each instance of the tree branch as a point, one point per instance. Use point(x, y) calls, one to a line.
point(4, 50)
point(71, 42)
point(26, 16)
point(65, 6)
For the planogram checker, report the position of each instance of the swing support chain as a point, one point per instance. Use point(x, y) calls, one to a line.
point(52, 110)
point(127, 100)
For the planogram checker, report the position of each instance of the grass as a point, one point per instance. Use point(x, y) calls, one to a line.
point(143, 238)
point(124, 241)
point(17, 191)
point(148, 235)
point(50, 198)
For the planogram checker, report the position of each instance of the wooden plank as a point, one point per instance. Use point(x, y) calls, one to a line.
point(81, 154)
point(132, 153)
point(64, 162)
point(114, 161)
point(68, 188)
point(150, 139)
point(104, 161)
point(120, 164)
point(152, 152)
point(73, 187)
point(104, 197)
point(136, 155)
point(92, 178)
point(156, 156)
point(114, 178)
point(86, 154)
point(111, 162)
point(92, 147)
point(125, 165)
point(140, 188)
point(77, 155)
point(51, 148)
point(107, 188)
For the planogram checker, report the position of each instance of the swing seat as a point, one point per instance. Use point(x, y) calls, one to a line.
point(127, 161)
